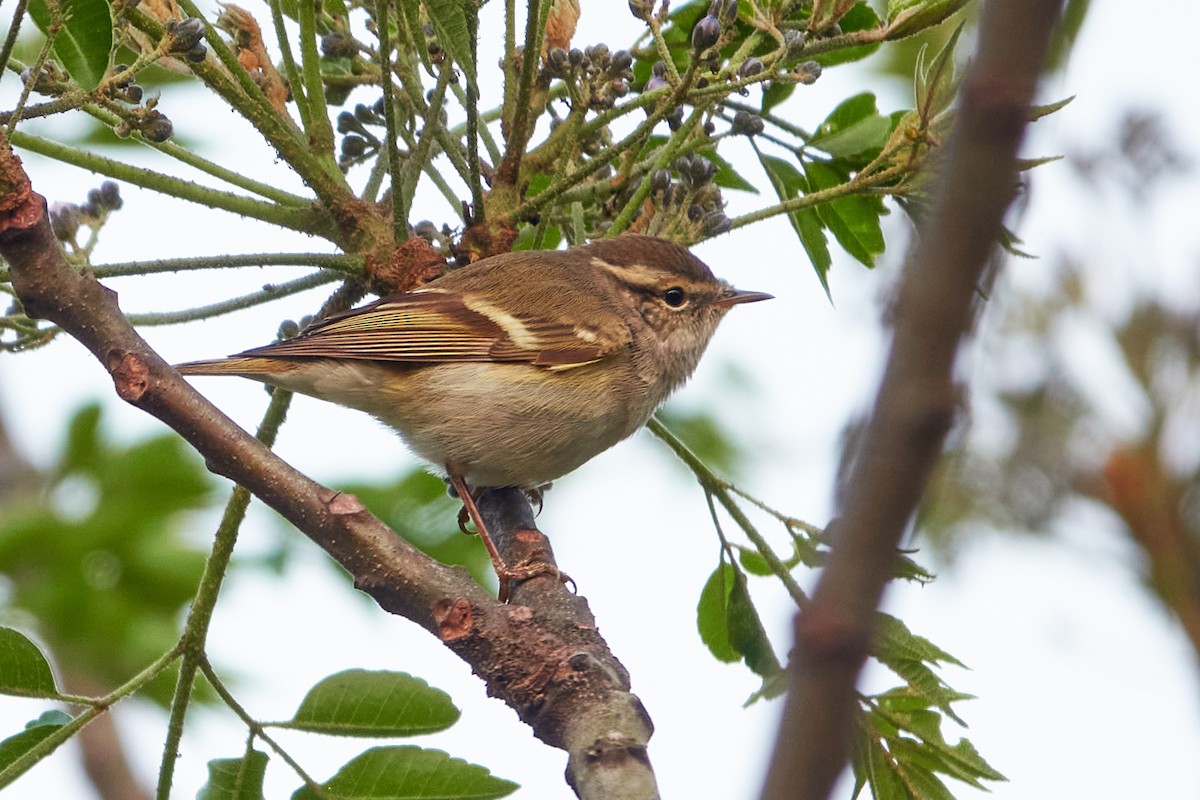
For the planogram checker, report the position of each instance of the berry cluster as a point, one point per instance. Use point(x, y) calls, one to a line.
point(66, 218)
point(358, 143)
point(186, 38)
point(601, 75)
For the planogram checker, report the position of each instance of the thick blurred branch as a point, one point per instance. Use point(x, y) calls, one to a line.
point(539, 658)
point(917, 398)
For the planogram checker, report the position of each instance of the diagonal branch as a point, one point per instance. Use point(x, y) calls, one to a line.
point(917, 398)
point(543, 657)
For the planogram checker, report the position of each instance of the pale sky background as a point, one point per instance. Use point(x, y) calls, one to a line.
point(1085, 687)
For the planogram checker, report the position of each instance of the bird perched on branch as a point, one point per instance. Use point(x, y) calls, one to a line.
point(517, 369)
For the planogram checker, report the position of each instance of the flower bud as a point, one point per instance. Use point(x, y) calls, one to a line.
point(369, 116)
point(750, 67)
point(353, 146)
point(338, 45)
point(746, 124)
point(156, 127)
point(675, 118)
point(184, 35)
point(426, 230)
point(598, 54)
point(654, 84)
point(557, 60)
point(706, 33)
point(808, 72)
point(725, 10)
point(64, 221)
point(702, 170)
point(288, 329)
point(793, 43)
point(714, 223)
point(110, 195)
point(621, 61)
point(660, 180)
point(641, 8)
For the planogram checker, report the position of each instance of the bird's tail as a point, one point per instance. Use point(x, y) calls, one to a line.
point(242, 366)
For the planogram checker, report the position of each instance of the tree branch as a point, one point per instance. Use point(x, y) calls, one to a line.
point(541, 654)
point(917, 398)
point(602, 726)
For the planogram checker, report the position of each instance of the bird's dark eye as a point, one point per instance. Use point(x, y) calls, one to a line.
point(674, 297)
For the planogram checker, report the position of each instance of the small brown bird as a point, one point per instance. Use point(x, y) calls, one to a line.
point(517, 369)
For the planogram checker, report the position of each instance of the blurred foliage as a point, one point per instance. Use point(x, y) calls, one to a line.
point(418, 506)
point(1053, 436)
point(102, 557)
point(1051, 432)
point(706, 436)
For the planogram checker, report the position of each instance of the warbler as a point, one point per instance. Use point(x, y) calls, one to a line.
point(516, 369)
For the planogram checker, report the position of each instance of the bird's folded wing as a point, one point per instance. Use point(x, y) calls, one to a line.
point(430, 326)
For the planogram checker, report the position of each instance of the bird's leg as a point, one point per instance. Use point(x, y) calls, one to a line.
point(468, 501)
point(506, 574)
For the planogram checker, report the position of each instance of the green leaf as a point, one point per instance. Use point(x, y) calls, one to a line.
point(879, 773)
point(706, 436)
point(361, 702)
point(753, 563)
point(789, 183)
point(235, 778)
point(712, 618)
point(912, 763)
point(417, 504)
point(729, 624)
point(726, 176)
point(892, 635)
point(776, 93)
point(1037, 112)
point(84, 42)
point(907, 17)
point(909, 570)
point(746, 632)
point(36, 731)
point(911, 656)
point(99, 560)
point(853, 127)
point(936, 85)
point(449, 20)
point(23, 669)
point(1026, 164)
point(895, 720)
point(852, 219)
point(772, 686)
point(411, 773)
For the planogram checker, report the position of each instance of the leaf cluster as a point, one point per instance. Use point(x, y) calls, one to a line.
point(354, 703)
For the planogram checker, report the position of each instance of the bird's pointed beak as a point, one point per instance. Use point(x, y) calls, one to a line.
point(736, 296)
